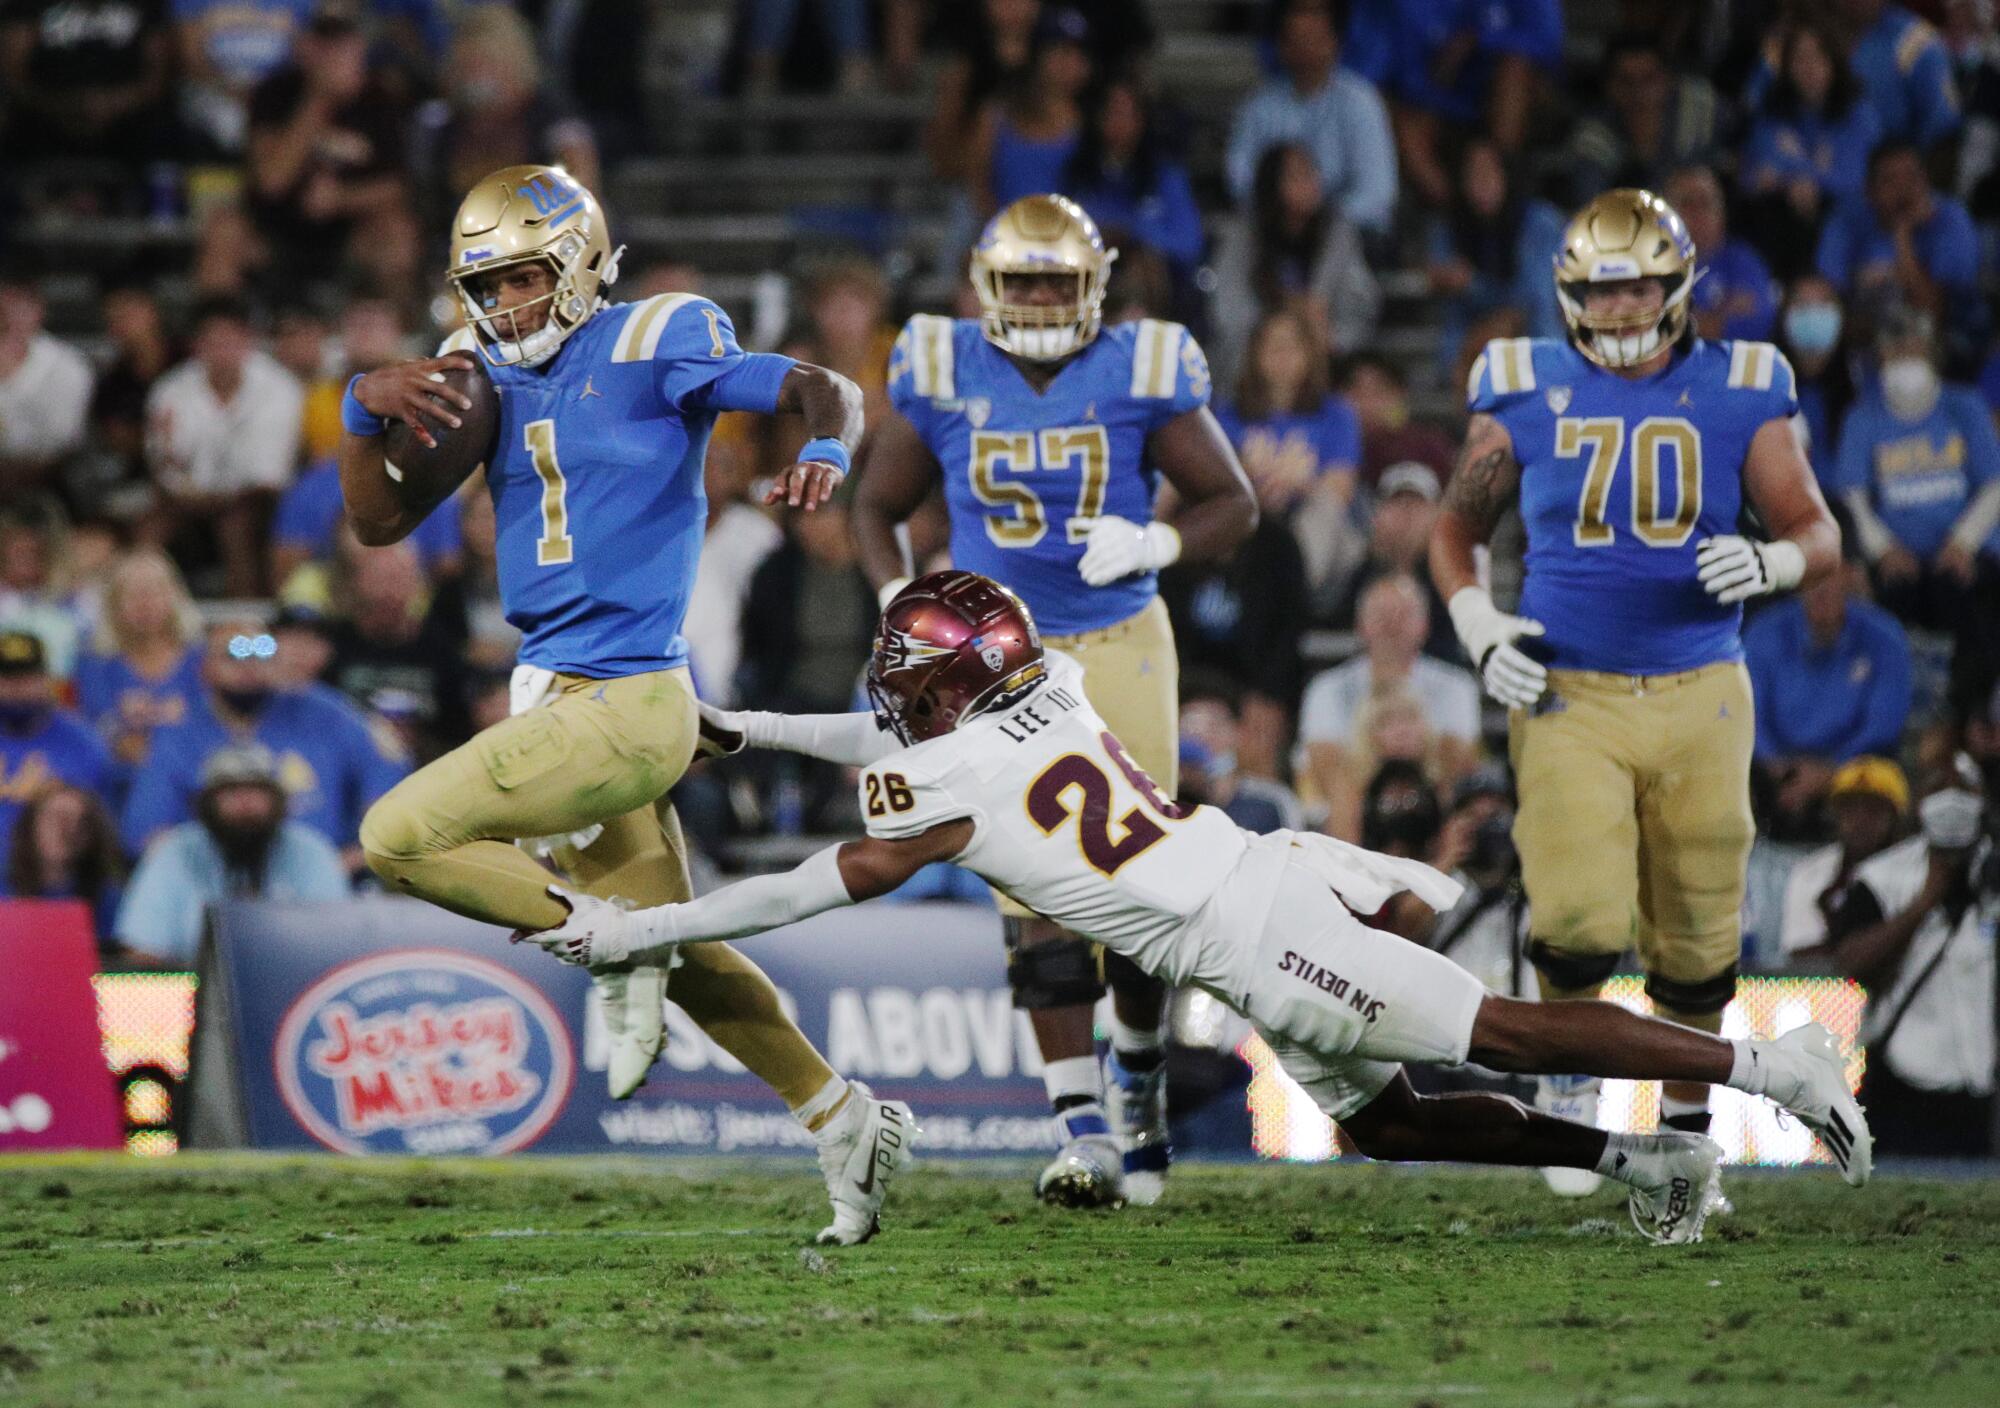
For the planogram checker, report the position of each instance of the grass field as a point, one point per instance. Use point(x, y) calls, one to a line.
point(244, 1280)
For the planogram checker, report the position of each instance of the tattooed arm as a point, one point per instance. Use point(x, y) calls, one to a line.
point(1482, 486)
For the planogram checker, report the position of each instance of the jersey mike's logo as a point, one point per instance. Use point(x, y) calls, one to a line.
point(424, 1051)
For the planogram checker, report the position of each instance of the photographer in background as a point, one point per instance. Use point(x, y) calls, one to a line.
point(1916, 926)
point(1485, 933)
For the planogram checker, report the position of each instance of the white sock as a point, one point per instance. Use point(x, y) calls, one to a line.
point(1074, 1076)
point(817, 1113)
point(1132, 1040)
point(1670, 1108)
point(1630, 1145)
point(1749, 1071)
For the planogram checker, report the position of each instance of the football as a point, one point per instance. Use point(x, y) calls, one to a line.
point(426, 475)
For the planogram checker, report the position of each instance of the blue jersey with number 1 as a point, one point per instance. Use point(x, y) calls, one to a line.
point(1621, 479)
point(1025, 473)
point(597, 484)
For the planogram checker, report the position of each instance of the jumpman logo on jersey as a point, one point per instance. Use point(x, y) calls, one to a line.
point(1686, 401)
point(1090, 411)
point(589, 391)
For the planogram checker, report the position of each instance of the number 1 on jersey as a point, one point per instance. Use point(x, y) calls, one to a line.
point(555, 546)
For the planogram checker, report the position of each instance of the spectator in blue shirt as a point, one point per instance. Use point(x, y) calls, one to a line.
point(1905, 70)
point(1294, 436)
point(1445, 64)
point(1735, 297)
point(227, 47)
point(1831, 678)
point(40, 743)
point(1809, 143)
point(310, 517)
point(1811, 333)
point(144, 669)
point(1919, 471)
point(1334, 113)
point(1907, 243)
point(1489, 260)
point(240, 846)
point(65, 847)
point(331, 763)
point(1212, 762)
point(1024, 140)
point(1123, 175)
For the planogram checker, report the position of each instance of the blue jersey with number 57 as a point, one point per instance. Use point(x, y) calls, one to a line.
point(1026, 473)
point(597, 484)
point(1620, 480)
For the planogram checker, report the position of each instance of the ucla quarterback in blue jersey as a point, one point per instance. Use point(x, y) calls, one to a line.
point(605, 414)
point(1051, 435)
point(1633, 449)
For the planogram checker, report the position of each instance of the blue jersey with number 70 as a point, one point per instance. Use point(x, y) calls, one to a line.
point(1026, 472)
point(597, 483)
point(1621, 479)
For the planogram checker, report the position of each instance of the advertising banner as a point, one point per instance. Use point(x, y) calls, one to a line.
point(55, 1092)
point(389, 1026)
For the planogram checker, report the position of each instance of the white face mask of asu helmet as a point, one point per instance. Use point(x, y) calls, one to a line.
point(523, 214)
point(1623, 235)
point(1041, 235)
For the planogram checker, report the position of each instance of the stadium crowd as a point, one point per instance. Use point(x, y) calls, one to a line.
point(205, 681)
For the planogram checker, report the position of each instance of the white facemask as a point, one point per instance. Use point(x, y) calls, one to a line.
point(1910, 386)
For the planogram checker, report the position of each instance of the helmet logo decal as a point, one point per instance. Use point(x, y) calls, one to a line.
point(901, 650)
point(477, 253)
point(993, 656)
point(554, 198)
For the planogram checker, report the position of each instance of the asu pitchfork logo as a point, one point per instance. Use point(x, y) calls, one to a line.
point(900, 650)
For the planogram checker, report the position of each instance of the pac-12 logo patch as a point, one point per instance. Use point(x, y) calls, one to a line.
point(423, 1051)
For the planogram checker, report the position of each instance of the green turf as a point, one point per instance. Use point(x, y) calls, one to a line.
point(246, 1280)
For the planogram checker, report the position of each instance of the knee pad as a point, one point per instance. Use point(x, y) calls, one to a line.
point(1697, 998)
point(1064, 972)
point(1570, 971)
point(387, 838)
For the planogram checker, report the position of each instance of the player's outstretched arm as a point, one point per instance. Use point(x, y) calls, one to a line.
point(1805, 541)
point(401, 391)
point(897, 472)
point(1217, 509)
point(831, 407)
point(1485, 482)
point(599, 933)
point(851, 740)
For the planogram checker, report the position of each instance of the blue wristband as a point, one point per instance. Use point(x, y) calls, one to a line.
point(357, 418)
point(826, 450)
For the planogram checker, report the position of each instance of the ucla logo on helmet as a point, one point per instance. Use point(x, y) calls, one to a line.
point(423, 1051)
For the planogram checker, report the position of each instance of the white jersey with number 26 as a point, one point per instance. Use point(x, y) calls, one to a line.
point(1065, 823)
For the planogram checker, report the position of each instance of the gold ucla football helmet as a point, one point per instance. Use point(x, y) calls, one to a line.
point(521, 214)
point(1622, 235)
point(1041, 235)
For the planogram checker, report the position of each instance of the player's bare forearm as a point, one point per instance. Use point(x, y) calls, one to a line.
point(1483, 485)
point(897, 472)
point(377, 514)
point(1217, 509)
point(873, 867)
point(1782, 488)
point(828, 403)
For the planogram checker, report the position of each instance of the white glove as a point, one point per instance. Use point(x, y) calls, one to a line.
point(1118, 547)
point(889, 591)
point(1951, 818)
point(599, 933)
point(1734, 569)
point(720, 732)
point(1488, 635)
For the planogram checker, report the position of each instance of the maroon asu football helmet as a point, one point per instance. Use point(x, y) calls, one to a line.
point(951, 645)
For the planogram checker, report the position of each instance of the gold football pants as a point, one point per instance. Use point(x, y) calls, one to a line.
point(1634, 823)
point(602, 753)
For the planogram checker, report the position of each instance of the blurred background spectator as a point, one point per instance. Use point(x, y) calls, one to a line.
point(45, 389)
point(65, 847)
point(41, 743)
point(143, 670)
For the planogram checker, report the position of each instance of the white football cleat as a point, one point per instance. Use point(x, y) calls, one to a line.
point(635, 1021)
point(1570, 1098)
point(1135, 1106)
point(1675, 1185)
point(1805, 1072)
point(1087, 1172)
point(861, 1150)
